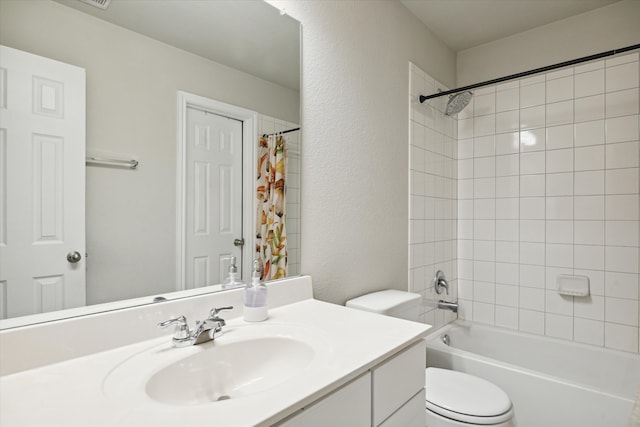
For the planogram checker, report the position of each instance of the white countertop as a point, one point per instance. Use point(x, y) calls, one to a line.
point(70, 393)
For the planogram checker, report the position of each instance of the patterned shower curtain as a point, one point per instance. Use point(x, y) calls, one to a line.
point(271, 235)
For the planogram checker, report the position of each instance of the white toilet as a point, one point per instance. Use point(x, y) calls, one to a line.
point(452, 398)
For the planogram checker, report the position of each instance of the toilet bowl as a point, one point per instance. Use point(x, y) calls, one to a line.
point(458, 399)
point(452, 398)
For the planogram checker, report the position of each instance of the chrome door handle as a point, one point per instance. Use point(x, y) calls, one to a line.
point(74, 257)
point(239, 242)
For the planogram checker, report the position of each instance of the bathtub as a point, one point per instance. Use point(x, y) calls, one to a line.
point(551, 382)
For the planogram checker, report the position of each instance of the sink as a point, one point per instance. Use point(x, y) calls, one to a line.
point(230, 371)
point(244, 361)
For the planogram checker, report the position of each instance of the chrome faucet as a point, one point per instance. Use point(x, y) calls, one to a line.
point(440, 282)
point(446, 305)
point(204, 330)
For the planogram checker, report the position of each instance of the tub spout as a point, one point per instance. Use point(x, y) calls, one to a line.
point(445, 305)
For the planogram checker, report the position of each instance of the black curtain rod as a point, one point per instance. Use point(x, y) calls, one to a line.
point(530, 72)
point(280, 133)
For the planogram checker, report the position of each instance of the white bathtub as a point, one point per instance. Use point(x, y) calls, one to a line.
point(552, 383)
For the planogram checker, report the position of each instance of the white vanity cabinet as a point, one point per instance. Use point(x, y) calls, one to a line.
point(388, 395)
point(347, 406)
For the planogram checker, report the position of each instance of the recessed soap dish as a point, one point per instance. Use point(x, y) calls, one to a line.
point(577, 286)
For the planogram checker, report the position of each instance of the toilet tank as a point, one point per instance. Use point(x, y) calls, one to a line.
point(391, 302)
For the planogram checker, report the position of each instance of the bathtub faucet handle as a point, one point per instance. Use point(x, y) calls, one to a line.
point(440, 282)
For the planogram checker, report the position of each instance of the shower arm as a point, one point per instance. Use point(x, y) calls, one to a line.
point(530, 72)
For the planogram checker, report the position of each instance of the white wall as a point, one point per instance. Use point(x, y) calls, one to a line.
point(433, 189)
point(548, 185)
point(610, 27)
point(132, 84)
point(355, 78)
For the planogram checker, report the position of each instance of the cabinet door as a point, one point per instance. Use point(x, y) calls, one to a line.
point(349, 406)
point(396, 381)
point(412, 413)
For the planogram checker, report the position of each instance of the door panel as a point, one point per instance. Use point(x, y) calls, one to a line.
point(213, 214)
point(42, 188)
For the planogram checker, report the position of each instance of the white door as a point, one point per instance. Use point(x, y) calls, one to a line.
point(213, 192)
point(42, 184)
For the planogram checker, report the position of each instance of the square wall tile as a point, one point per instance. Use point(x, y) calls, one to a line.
point(483, 313)
point(561, 184)
point(622, 311)
point(558, 326)
point(484, 104)
point(622, 103)
point(532, 140)
point(622, 181)
point(532, 95)
point(507, 100)
point(561, 208)
point(589, 108)
point(559, 137)
point(532, 185)
point(508, 208)
point(622, 233)
point(506, 317)
point(507, 186)
point(589, 232)
point(590, 158)
point(560, 113)
point(589, 133)
point(622, 77)
point(588, 331)
point(507, 165)
point(621, 285)
point(559, 160)
point(531, 321)
point(507, 121)
point(591, 83)
point(534, 117)
point(622, 129)
point(532, 163)
point(591, 307)
point(588, 257)
point(560, 89)
point(621, 337)
point(622, 207)
point(589, 183)
point(508, 143)
point(623, 155)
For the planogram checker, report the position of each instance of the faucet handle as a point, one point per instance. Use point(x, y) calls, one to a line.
point(214, 311)
point(182, 327)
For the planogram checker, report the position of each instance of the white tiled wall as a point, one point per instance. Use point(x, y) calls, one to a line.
point(268, 125)
point(548, 183)
point(433, 194)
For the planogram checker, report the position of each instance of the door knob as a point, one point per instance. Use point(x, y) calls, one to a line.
point(239, 242)
point(74, 257)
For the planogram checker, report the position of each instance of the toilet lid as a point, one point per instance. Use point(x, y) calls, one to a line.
point(464, 397)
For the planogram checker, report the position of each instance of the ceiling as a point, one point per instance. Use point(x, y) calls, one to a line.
point(223, 31)
point(463, 24)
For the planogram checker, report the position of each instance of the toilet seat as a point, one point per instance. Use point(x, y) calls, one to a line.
point(466, 398)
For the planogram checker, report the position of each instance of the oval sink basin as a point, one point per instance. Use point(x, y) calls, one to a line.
point(245, 360)
point(229, 371)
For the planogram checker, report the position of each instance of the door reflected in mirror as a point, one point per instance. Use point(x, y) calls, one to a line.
point(138, 57)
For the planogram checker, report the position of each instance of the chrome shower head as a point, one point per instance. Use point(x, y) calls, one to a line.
point(457, 102)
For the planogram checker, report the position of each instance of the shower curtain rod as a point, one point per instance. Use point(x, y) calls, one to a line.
point(534, 71)
point(280, 133)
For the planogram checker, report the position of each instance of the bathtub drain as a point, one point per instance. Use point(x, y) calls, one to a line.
point(445, 339)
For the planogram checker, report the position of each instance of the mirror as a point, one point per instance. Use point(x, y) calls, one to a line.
point(138, 55)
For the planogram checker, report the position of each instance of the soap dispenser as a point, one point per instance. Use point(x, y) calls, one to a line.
point(232, 281)
point(255, 297)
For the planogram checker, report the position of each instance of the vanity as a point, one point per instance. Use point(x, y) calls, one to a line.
point(310, 363)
